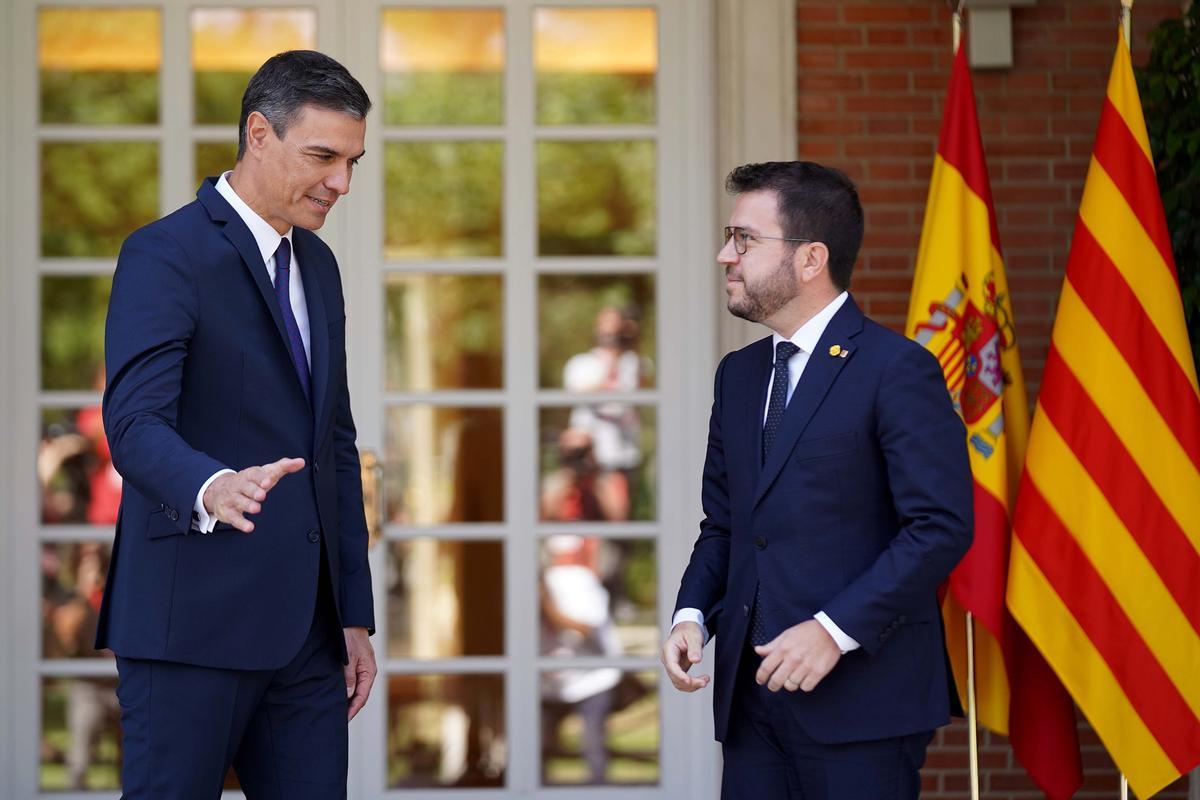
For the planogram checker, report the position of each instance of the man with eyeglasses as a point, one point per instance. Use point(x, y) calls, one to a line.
point(837, 497)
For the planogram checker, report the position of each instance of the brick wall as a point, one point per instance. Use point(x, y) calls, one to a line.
point(871, 83)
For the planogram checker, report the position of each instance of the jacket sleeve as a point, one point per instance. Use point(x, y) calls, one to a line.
point(357, 603)
point(923, 442)
point(152, 315)
point(704, 580)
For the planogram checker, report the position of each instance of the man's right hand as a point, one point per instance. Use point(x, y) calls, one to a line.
point(683, 648)
point(235, 494)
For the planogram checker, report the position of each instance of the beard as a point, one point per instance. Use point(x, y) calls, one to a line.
point(767, 295)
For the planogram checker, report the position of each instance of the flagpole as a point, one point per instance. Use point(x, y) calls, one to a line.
point(1124, 787)
point(1126, 27)
point(972, 716)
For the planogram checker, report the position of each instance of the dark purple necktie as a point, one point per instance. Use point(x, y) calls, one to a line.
point(775, 408)
point(283, 274)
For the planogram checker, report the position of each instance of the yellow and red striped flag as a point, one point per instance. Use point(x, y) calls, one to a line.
point(961, 311)
point(1106, 554)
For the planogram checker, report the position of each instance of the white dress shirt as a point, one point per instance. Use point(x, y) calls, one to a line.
point(806, 339)
point(267, 239)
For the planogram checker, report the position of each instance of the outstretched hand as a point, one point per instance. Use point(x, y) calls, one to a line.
point(233, 495)
point(683, 648)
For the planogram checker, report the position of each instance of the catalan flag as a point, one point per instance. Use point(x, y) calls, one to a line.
point(1105, 570)
point(962, 312)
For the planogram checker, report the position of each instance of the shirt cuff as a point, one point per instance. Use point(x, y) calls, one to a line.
point(201, 520)
point(690, 615)
point(844, 642)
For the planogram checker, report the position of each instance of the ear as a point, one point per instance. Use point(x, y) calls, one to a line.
point(258, 132)
point(812, 261)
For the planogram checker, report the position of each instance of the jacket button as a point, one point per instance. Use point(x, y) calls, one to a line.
point(760, 542)
point(314, 537)
point(316, 467)
point(172, 515)
point(745, 610)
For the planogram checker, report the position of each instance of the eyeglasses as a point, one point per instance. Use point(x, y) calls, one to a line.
point(741, 238)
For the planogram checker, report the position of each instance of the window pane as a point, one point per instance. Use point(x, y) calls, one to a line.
point(598, 596)
point(81, 742)
point(444, 465)
point(596, 333)
point(73, 311)
point(445, 598)
point(442, 67)
point(75, 472)
point(73, 576)
point(99, 66)
point(443, 199)
point(230, 44)
point(444, 332)
point(599, 726)
point(595, 65)
point(94, 194)
point(446, 730)
point(596, 198)
point(213, 159)
point(598, 463)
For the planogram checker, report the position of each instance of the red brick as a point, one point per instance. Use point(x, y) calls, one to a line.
point(884, 82)
point(880, 12)
point(890, 170)
point(820, 149)
point(828, 35)
point(809, 82)
point(810, 13)
point(884, 126)
point(813, 124)
point(1027, 170)
point(917, 148)
point(1026, 126)
point(887, 36)
point(817, 103)
point(888, 59)
point(818, 59)
point(883, 104)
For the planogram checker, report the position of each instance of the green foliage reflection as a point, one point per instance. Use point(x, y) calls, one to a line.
point(443, 199)
point(218, 96)
point(73, 310)
point(566, 98)
point(443, 98)
point(94, 194)
point(98, 98)
point(213, 158)
point(596, 198)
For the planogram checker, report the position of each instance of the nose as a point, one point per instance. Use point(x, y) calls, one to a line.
point(338, 180)
point(728, 254)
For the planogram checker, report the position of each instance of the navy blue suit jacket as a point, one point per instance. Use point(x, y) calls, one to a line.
point(861, 510)
point(199, 379)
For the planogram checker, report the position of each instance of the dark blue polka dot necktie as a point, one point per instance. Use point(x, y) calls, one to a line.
point(775, 408)
point(283, 272)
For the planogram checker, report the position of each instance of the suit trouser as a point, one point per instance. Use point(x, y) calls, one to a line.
point(768, 753)
point(283, 731)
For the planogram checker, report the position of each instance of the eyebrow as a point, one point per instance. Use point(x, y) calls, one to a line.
point(329, 151)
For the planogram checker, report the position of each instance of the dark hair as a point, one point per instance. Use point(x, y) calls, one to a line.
point(815, 202)
point(289, 81)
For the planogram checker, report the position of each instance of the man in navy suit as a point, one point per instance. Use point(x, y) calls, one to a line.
point(837, 497)
point(239, 597)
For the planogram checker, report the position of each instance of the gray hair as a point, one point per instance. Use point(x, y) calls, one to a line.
point(289, 81)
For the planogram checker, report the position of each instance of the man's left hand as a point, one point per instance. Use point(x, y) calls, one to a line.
point(798, 658)
point(360, 672)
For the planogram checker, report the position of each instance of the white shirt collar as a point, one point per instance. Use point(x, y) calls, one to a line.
point(809, 334)
point(266, 237)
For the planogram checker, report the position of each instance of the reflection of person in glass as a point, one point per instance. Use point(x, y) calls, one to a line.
point(71, 596)
point(577, 490)
point(75, 470)
point(830, 520)
point(613, 364)
point(577, 621)
point(239, 584)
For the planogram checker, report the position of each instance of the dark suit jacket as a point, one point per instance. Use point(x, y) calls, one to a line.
point(199, 379)
point(861, 510)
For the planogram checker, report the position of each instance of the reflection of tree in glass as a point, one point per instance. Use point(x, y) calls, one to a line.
point(444, 332)
point(443, 98)
point(596, 198)
point(73, 310)
point(94, 194)
point(443, 199)
point(98, 98)
point(218, 96)
point(213, 158)
point(565, 98)
point(567, 309)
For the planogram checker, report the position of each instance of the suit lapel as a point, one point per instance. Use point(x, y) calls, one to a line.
point(318, 324)
point(239, 236)
point(754, 398)
point(819, 374)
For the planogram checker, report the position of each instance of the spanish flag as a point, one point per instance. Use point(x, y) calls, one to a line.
point(961, 311)
point(1106, 553)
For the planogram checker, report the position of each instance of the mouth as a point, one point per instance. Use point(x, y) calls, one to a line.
point(324, 205)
